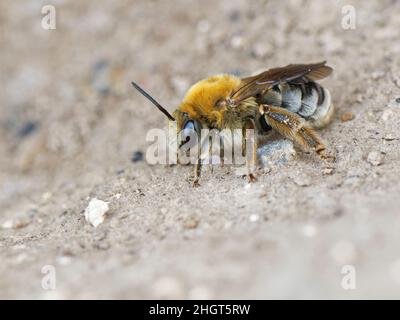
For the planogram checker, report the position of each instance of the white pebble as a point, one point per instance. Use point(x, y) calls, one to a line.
point(387, 115)
point(9, 224)
point(15, 224)
point(46, 196)
point(95, 211)
point(254, 217)
point(374, 158)
point(248, 186)
point(236, 42)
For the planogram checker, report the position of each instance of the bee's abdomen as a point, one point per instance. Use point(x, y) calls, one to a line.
point(308, 100)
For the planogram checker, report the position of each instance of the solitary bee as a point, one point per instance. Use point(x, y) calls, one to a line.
point(287, 100)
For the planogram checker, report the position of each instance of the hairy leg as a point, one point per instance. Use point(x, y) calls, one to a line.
point(251, 158)
point(197, 173)
point(295, 128)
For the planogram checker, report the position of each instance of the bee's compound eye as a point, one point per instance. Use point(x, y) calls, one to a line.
point(189, 132)
point(189, 128)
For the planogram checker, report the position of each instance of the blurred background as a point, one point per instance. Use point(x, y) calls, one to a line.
point(73, 128)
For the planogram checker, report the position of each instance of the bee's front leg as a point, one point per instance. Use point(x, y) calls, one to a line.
point(250, 138)
point(197, 173)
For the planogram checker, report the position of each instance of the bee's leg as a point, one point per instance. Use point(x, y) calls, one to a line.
point(295, 128)
point(251, 159)
point(210, 156)
point(197, 173)
point(221, 152)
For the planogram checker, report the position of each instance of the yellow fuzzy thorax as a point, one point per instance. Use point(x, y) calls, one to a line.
point(200, 102)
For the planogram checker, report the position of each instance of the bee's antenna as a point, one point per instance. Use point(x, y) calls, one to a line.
point(159, 106)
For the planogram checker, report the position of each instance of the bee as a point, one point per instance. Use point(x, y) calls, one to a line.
point(287, 100)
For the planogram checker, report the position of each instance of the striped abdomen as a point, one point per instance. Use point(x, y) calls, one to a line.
point(309, 100)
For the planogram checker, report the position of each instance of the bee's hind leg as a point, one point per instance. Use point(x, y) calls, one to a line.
point(249, 140)
point(295, 128)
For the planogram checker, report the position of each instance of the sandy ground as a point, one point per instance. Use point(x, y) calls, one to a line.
point(70, 123)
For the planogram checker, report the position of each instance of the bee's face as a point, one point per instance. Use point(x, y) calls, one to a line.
point(186, 126)
point(184, 121)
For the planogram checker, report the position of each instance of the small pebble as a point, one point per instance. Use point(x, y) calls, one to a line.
point(120, 172)
point(21, 223)
point(374, 158)
point(390, 137)
point(327, 171)
point(398, 100)
point(100, 77)
point(254, 217)
point(27, 129)
point(95, 212)
point(45, 197)
point(137, 156)
point(387, 115)
point(191, 223)
point(237, 42)
point(15, 224)
point(347, 116)
point(9, 224)
point(248, 186)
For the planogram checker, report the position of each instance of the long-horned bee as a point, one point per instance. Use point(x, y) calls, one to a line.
point(287, 100)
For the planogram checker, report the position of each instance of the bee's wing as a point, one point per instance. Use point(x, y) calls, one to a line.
point(294, 73)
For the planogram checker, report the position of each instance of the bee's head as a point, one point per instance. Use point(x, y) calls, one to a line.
point(186, 125)
point(206, 101)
